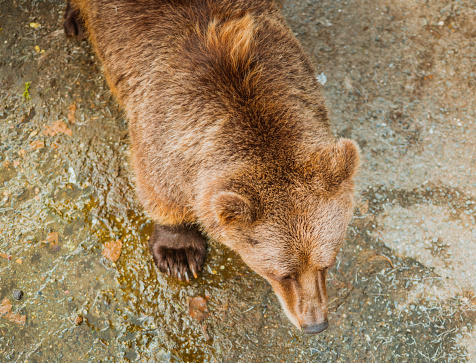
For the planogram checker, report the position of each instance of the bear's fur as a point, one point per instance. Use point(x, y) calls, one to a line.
point(230, 138)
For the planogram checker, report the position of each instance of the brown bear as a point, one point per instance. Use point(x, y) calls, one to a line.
point(230, 139)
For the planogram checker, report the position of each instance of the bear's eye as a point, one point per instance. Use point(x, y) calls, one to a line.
point(282, 278)
point(253, 242)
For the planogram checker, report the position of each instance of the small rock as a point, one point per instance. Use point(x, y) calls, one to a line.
point(53, 241)
point(78, 320)
point(197, 308)
point(4, 255)
point(112, 250)
point(321, 78)
point(206, 336)
point(71, 115)
point(5, 312)
point(17, 294)
point(57, 127)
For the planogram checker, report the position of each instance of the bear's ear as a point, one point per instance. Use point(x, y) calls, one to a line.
point(230, 207)
point(336, 163)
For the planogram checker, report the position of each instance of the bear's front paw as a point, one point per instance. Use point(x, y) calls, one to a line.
point(178, 251)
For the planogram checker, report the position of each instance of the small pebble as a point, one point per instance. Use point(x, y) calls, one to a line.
point(17, 294)
point(78, 320)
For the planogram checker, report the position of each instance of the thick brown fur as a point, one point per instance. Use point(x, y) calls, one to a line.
point(230, 134)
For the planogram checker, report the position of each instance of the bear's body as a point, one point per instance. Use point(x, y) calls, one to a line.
point(230, 138)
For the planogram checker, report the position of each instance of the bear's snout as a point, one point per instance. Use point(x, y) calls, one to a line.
point(313, 318)
point(315, 328)
point(304, 300)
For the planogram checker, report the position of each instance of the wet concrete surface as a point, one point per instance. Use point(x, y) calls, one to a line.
point(400, 79)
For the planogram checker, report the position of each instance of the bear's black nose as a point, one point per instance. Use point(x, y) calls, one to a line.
point(314, 329)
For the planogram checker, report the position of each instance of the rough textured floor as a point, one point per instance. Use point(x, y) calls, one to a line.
point(399, 78)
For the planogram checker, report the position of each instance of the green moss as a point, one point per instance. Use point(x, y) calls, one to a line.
point(26, 91)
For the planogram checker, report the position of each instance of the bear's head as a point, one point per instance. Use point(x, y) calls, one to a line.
point(288, 226)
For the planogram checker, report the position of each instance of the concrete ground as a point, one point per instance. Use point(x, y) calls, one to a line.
point(399, 78)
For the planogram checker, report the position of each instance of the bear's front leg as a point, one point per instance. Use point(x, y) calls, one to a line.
point(178, 250)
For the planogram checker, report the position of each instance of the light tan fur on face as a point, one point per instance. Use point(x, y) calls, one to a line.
point(304, 297)
point(294, 246)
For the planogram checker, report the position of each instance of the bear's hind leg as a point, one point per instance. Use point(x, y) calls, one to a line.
point(73, 24)
point(178, 250)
